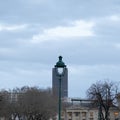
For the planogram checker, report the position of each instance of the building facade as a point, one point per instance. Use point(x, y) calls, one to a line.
point(85, 111)
point(64, 81)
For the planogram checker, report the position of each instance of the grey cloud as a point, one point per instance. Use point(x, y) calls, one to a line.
point(107, 27)
point(87, 75)
point(49, 11)
point(19, 74)
point(86, 51)
point(38, 59)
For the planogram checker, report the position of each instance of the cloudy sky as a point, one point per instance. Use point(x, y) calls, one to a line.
point(33, 33)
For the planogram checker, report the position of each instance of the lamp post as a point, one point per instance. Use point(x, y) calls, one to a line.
point(60, 67)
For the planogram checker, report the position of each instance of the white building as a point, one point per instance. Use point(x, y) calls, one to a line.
point(84, 110)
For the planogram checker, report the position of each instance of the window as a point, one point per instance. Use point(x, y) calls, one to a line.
point(70, 114)
point(91, 118)
point(62, 114)
point(116, 114)
point(83, 114)
point(77, 113)
point(91, 114)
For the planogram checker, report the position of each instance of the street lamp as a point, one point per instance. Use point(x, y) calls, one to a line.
point(60, 69)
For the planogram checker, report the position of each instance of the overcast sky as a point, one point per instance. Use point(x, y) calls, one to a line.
point(33, 33)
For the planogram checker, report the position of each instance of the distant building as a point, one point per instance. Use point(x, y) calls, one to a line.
point(64, 81)
point(85, 110)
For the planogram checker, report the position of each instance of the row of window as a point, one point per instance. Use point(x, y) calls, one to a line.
point(91, 115)
point(91, 119)
point(78, 113)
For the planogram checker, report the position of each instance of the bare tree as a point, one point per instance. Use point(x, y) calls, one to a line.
point(104, 94)
point(28, 103)
point(4, 104)
point(37, 104)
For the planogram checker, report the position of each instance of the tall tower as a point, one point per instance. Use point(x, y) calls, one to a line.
point(64, 80)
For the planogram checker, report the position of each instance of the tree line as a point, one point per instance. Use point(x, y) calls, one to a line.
point(32, 103)
point(28, 103)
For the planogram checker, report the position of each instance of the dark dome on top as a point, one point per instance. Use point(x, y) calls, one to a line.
point(60, 63)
